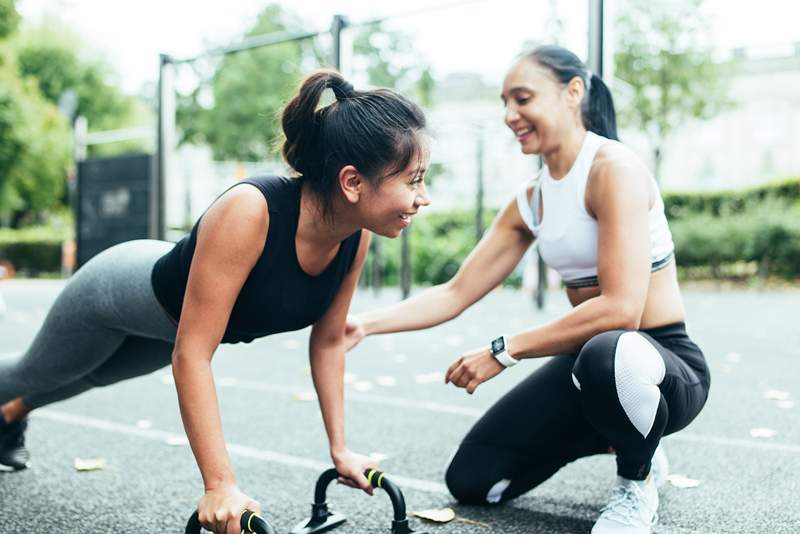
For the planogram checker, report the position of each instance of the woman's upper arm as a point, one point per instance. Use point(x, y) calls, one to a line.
point(618, 196)
point(230, 239)
point(494, 257)
point(329, 329)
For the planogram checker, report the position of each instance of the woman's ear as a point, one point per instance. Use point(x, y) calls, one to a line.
point(575, 91)
point(351, 183)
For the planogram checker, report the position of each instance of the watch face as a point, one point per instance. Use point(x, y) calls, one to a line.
point(498, 345)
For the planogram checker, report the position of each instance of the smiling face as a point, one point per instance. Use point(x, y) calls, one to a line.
point(539, 109)
point(389, 206)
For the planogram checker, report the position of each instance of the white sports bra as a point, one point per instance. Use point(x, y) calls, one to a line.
point(567, 234)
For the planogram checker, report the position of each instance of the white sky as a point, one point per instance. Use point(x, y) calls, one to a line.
point(481, 36)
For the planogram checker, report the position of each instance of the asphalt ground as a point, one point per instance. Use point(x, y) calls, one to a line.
point(398, 407)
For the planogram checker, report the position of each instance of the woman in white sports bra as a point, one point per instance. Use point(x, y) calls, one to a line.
point(625, 372)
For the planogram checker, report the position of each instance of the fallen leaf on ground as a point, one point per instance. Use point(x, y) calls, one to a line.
point(453, 341)
point(443, 515)
point(363, 385)
point(349, 378)
point(89, 464)
point(386, 381)
point(762, 433)
point(473, 522)
point(291, 344)
point(682, 481)
point(226, 381)
point(776, 394)
point(427, 378)
point(733, 357)
point(177, 441)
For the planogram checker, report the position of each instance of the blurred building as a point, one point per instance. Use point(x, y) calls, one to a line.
point(754, 142)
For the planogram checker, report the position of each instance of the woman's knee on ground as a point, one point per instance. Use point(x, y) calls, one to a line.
point(475, 476)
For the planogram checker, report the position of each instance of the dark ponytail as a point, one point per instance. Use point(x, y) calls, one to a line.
point(598, 112)
point(375, 131)
point(599, 115)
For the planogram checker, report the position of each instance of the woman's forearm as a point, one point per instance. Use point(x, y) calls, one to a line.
point(327, 372)
point(568, 333)
point(197, 398)
point(430, 307)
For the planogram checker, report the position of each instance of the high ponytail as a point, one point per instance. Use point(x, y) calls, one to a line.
point(375, 131)
point(599, 115)
point(597, 108)
point(300, 121)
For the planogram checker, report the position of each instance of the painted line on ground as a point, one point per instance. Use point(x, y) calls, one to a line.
point(234, 449)
point(438, 407)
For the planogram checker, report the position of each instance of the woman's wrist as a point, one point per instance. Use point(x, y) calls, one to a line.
point(219, 481)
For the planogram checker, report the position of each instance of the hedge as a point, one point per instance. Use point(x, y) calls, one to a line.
point(35, 250)
point(719, 203)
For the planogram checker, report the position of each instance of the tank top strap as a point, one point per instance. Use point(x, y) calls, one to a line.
point(529, 210)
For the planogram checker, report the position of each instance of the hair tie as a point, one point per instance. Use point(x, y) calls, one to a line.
point(341, 88)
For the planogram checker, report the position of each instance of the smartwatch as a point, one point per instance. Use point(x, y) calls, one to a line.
point(500, 352)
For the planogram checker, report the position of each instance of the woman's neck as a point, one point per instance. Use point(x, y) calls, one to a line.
point(322, 232)
point(560, 160)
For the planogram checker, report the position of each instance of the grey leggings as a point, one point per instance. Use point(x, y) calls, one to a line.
point(105, 326)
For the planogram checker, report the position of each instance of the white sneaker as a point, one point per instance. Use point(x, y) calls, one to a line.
point(631, 508)
point(659, 467)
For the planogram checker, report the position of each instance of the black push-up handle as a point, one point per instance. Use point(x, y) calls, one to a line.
point(249, 522)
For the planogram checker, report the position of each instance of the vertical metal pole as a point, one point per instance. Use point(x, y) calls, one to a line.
point(337, 25)
point(156, 223)
point(480, 188)
point(596, 55)
point(405, 262)
point(80, 150)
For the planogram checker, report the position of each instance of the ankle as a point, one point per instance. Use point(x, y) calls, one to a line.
point(14, 410)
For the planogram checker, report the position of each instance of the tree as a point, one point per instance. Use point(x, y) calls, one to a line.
point(9, 18)
point(58, 61)
point(239, 116)
point(34, 149)
point(669, 72)
point(390, 60)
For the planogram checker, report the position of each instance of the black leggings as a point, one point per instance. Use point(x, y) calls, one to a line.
point(615, 392)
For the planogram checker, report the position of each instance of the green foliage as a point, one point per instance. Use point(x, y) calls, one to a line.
point(9, 18)
point(34, 250)
point(248, 91)
point(679, 205)
point(439, 244)
point(390, 60)
point(56, 59)
point(34, 147)
point(766, 235)
point(668, 70)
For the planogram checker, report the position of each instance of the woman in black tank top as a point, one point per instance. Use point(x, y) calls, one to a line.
point(272, 254)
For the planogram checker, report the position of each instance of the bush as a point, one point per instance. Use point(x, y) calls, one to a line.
point(767, 235)
point(719, 203)
point(34, 250)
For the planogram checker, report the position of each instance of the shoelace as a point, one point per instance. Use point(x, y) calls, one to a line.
point(626, 499)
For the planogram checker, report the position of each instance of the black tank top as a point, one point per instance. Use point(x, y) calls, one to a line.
point(278, 296)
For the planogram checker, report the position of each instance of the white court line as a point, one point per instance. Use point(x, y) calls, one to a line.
point(236, 450)
point(475, 413)
point(363, 397)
